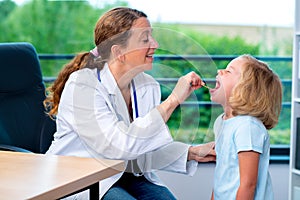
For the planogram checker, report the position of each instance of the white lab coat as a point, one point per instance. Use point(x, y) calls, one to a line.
point(93, 121)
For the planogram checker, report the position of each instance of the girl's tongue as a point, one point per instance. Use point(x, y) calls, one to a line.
point(216, 87)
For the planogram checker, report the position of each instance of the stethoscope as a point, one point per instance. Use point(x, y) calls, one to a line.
point(136, 115)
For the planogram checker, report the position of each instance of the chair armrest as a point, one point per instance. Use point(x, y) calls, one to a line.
point(5, 147)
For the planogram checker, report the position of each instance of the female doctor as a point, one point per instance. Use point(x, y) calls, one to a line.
point(107, 107)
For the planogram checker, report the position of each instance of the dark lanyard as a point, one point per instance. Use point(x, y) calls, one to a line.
point(134, 94)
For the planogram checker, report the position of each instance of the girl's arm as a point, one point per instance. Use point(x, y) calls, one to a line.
point(248, 165)
point(212, 196)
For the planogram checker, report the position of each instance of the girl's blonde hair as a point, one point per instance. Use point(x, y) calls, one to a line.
point(258, 93)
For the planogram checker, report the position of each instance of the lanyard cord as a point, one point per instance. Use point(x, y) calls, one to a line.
point(135, 100)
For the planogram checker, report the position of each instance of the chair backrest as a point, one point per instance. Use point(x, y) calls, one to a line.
point(23, 121)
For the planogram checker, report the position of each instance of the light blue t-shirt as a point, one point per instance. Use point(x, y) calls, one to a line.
point(240, 133)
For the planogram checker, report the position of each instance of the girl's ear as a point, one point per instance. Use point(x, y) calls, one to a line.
point(117, 53)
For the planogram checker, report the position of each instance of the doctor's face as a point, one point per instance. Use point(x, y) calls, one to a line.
point(141, 46)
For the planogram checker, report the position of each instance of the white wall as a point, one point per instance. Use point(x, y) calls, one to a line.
point(200, 185)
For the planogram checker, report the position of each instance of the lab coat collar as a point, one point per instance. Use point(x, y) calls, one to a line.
point(108, 79)
point(111, 85)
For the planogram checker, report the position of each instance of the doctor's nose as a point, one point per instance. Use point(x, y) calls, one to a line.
point(153, 43)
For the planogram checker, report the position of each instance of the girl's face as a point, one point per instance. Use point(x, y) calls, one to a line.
point(141, 46)
point(225, 81)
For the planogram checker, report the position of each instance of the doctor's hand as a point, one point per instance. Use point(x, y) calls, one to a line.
point(185, 86)
point(203, 152)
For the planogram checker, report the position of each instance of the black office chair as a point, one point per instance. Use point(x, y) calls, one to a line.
point(24, 125)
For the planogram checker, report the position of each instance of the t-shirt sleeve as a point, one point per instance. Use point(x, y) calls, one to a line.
point(250, 136)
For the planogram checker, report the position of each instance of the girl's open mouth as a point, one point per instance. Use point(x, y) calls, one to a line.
point(216, 87)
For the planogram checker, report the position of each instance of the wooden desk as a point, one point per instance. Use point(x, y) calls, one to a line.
point(39, 176)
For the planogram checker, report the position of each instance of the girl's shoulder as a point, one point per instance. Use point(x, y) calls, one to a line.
point(248, 118)
point(250, 122)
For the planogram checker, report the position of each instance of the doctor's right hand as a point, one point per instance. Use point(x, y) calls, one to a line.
point(185, 86)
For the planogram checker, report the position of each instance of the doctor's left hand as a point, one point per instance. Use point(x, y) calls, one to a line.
point(203, 152)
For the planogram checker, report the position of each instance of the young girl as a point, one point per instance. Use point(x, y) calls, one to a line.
point(251, 95)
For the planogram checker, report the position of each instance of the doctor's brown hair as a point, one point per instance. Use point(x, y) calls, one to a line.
point(258, 93)
point(111, 28)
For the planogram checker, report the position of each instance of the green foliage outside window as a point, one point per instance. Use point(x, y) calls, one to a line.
point(66, 27)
